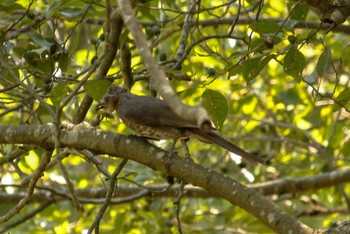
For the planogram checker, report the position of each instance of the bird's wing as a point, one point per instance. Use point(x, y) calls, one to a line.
point(150, 111)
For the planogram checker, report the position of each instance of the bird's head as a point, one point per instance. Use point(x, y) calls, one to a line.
point(110, 100)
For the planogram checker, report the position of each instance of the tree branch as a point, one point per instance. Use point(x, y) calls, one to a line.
point(112, 186)
point(276, 187)
point(32, 182)
point(110, 50)
point(133, 148)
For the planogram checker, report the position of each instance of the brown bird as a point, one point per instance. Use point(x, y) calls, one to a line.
point(153, 118)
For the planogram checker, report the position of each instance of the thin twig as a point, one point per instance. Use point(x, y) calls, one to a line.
point(70, 185)
point(37, 174)
point(186, 27)
point(177, 205)
point(26, 217)
point(111, 188)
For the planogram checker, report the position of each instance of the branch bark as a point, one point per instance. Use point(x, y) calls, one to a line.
point(84, 137)
point(110, 50)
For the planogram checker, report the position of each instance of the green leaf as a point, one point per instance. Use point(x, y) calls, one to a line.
point(63, 61)
point(45, 65)
point(7, 76)
point(257, 44)
point(345, 51)
point(265, 61)
point(290, 24)
point(294, 63)
point(119, 222)
point(299, 12)
point(346, 147)
point(265, 27)
point(74, 12)
point(216, 105)
point(324, 62)
point(10, 6)
point(233, 72)
point(7, 47)
point(97, 88)
point(147, 14)
point(344, 97)
point(58, 93)
point(249, 68)
point(40, 40)
point(290, 97)
point(53, 8)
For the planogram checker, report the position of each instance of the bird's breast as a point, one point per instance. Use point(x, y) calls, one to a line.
point(158, 133)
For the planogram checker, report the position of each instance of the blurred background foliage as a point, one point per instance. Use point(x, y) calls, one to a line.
point(273, 83)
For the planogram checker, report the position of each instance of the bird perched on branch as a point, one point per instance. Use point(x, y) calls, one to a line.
point(153, 118)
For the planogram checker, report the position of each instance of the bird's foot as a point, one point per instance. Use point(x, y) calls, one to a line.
point(168, 159)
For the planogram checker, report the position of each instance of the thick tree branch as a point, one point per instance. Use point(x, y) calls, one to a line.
point(110, 50)
point(295, 185)
point(276, 187)
point(133, 148)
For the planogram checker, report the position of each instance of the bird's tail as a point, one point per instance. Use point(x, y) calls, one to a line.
point(212, 137)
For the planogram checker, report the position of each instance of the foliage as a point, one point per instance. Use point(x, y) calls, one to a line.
point(274, 80)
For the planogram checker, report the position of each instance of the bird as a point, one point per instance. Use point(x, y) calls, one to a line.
point(152, 118)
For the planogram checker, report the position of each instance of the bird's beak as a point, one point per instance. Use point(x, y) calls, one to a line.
point(100, 106)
